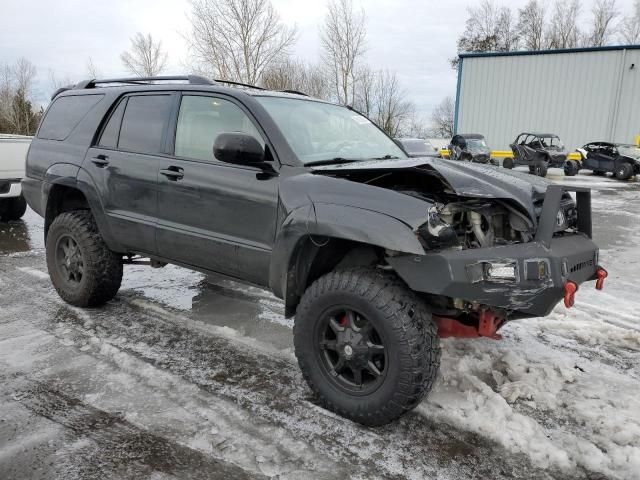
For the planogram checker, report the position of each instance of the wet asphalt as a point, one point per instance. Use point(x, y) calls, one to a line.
point(189, 376)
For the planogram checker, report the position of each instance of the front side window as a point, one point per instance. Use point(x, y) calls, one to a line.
point(144, 122)
point(202, 119)
point(319, 132)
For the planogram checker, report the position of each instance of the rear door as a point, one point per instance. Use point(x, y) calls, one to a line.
point(211, 214)
point(124, 167)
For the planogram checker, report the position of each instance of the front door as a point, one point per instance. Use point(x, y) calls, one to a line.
point(124, 167)
point(215, 215)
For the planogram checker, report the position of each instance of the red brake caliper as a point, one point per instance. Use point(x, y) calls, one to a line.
point(344, 321)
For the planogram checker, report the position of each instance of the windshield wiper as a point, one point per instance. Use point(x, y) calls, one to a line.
point(386, 157)
point(332, 161)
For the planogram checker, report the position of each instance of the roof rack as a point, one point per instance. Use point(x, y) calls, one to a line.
point(237, 84)
point(191, 79)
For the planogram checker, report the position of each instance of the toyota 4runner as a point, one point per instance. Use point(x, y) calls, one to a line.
point(377, 255)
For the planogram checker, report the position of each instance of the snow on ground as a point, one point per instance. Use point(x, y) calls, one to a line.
point(558, 397)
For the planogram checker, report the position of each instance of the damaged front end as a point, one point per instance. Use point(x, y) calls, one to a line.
point(497, 246)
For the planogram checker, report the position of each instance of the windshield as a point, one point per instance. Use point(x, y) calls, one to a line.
point(322, 132)
point(417, 147)
point(476, 144)
point(632, 151)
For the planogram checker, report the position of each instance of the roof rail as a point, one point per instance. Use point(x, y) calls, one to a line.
point(191, 79)
point(238, 84)
point(295, 92)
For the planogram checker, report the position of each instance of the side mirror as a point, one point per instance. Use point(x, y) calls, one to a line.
point(238, 148)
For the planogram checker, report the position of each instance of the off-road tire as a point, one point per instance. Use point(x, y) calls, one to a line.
point(539, 169)
point(571, 168)
point(623, 171)
point(507, 163)
point(102, 267)
point(410, 338)
point(12, 208)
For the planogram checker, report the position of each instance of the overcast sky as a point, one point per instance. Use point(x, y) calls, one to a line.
point(414, 38)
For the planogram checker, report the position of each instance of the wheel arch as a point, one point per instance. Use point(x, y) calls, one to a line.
point(335, 236)
point(63, 192)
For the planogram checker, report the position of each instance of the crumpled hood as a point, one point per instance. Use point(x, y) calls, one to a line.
point(465, 178)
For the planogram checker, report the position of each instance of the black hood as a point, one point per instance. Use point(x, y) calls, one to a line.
point(465, 179)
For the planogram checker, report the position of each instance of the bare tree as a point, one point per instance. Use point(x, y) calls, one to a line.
point(145, 58)
point(531, 25)
point(392, 109)
point(489, 28)
point(291, 74)
point(563, 31)
point(343, 42)
point(237, 39)
point(602, 29)
point(16, 98)
point(442, 118)
point(92, 69)
point(630, 26)
point(365, 92)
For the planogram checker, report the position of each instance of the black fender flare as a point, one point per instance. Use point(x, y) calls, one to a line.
point(308, 228)
point(74, 176)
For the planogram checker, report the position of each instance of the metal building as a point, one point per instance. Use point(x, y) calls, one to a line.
point(583, 95)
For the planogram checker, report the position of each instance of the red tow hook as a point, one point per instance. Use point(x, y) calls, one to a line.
point(570, 289)
point(601, 274)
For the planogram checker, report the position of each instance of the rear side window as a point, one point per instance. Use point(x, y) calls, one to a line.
point(111, 130)
point(65, 114)
point(143, 124)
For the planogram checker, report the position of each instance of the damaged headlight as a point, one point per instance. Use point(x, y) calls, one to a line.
point(435, 233)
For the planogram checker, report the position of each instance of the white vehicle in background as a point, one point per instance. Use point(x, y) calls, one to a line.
point(13, 152)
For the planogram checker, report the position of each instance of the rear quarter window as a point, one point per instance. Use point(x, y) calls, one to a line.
point(65, 114)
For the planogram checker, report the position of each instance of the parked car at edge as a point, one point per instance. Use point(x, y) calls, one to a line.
point(375, 253)
point(418, 147)
point(470, 147)
point(538, 151)
point(13, 151)
point(623, 160)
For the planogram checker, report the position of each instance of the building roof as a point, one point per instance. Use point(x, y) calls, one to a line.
point(548, 52)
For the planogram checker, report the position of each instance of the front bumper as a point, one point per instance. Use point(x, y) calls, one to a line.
point(10, 188)
point(542, 266)
point(452, 273)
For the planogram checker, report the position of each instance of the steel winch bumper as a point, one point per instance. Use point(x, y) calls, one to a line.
point(532, 276)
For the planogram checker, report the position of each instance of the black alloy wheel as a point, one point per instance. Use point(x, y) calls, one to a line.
point(352, 352)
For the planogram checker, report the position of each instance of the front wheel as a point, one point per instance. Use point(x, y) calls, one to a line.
point(83, 270)
point(508, 163)
point(12, 208)
point(624, 171)
point(366, 345)
point(539, 169)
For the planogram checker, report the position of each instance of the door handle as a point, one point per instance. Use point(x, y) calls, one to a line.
point(100, 160)
point(173, 173)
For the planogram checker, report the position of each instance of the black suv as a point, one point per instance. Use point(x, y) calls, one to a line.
point(376, 254)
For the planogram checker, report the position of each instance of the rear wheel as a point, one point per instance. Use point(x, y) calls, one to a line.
point(571, 168)
point(624, 171)
point(12, 208)
point(366, 345)
point(508, 163)
point(83, 270)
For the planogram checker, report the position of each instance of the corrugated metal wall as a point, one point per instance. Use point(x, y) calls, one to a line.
point(581, 96)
